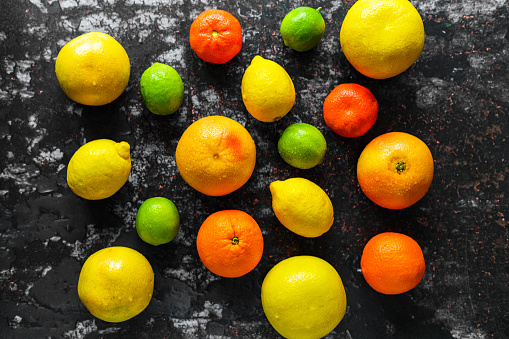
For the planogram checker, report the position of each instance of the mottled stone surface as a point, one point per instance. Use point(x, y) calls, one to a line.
point(455, 98)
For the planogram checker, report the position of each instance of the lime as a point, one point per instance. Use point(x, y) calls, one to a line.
point(302, 28)
point(302, 146)
point(162, 89)
point(157, 221)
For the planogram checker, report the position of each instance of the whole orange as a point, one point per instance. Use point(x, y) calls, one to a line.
point(230, 243)
point(216, 155)
point(395, 170)
point(392, 263)
point(216, 36)
point(350, 110)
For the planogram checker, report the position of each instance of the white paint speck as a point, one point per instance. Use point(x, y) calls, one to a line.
point(81, 330)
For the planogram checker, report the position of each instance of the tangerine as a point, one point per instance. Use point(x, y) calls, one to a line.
point(216, 155)
point(230, 243)
point(395, 170)
point(350, 110)
point(392, 263)
point(216, 36)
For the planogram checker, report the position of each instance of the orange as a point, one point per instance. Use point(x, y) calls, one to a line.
point(392, 263)
point(230, 243)
point(350, 110)
point(216, 155)
point(216, 36)
point(395, 170)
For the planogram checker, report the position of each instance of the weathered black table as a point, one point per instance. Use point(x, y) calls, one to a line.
point(455, 98)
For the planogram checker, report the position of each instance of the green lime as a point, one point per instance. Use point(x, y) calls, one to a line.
point(302, 28)
point(157, 221)
point(162, 89)
point(302, 146)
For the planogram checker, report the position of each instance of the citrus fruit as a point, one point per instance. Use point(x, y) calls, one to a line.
point(230, 243)
point(382, 38)
point(267, 90)
point(302, 146)
point(350, 110)
point(303, 297)
point(302, 206)
point(157, 221)
point(162, 89)
point(302, 28)
point(93, 69)
point(116, 283)
point(216, 155)
point(98, 169)
point(395, 170)
point(216, 36)
point(392, 263)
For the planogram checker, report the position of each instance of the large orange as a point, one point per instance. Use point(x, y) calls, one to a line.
point(392, 263)
point(216, 36)
point(230, 243)
point(216, 155)
point(350, 110)
point(395, 170)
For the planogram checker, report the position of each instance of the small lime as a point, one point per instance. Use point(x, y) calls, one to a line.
point(302, 146)
point(157, 221)
point(162, 89)
point(302, 28)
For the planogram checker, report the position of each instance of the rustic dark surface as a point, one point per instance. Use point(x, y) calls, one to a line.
point(455, 98)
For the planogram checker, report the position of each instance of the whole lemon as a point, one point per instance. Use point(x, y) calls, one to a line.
point(302, 206)
point(303, 297)
point(93, 69)
point(267, 90)
point(382, 38)
point(99, 169)
point(116, 283)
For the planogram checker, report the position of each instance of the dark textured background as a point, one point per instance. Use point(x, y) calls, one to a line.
point(455, 98)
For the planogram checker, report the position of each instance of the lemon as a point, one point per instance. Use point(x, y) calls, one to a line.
point(382, 38)
point(162, 89)
point(303, 297)
point(302, 28)
point(267, 90)
point(302, 146)
point(93, 69)
point(116, 283)
point(157, 221)
point(302, 206)
point(99, 169)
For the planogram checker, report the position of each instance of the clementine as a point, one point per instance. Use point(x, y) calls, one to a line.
point(350, 110)
point(392, 263)
point(216, 36)
point(216, 155)
point(395, 170)
point(230, 243)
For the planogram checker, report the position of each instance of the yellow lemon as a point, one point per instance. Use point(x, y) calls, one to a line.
point(99, 169)
point(303, 297)
point(302, 206)
point(267, 90)
point(93, 69)
point(382, 38)
point(116, 283)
